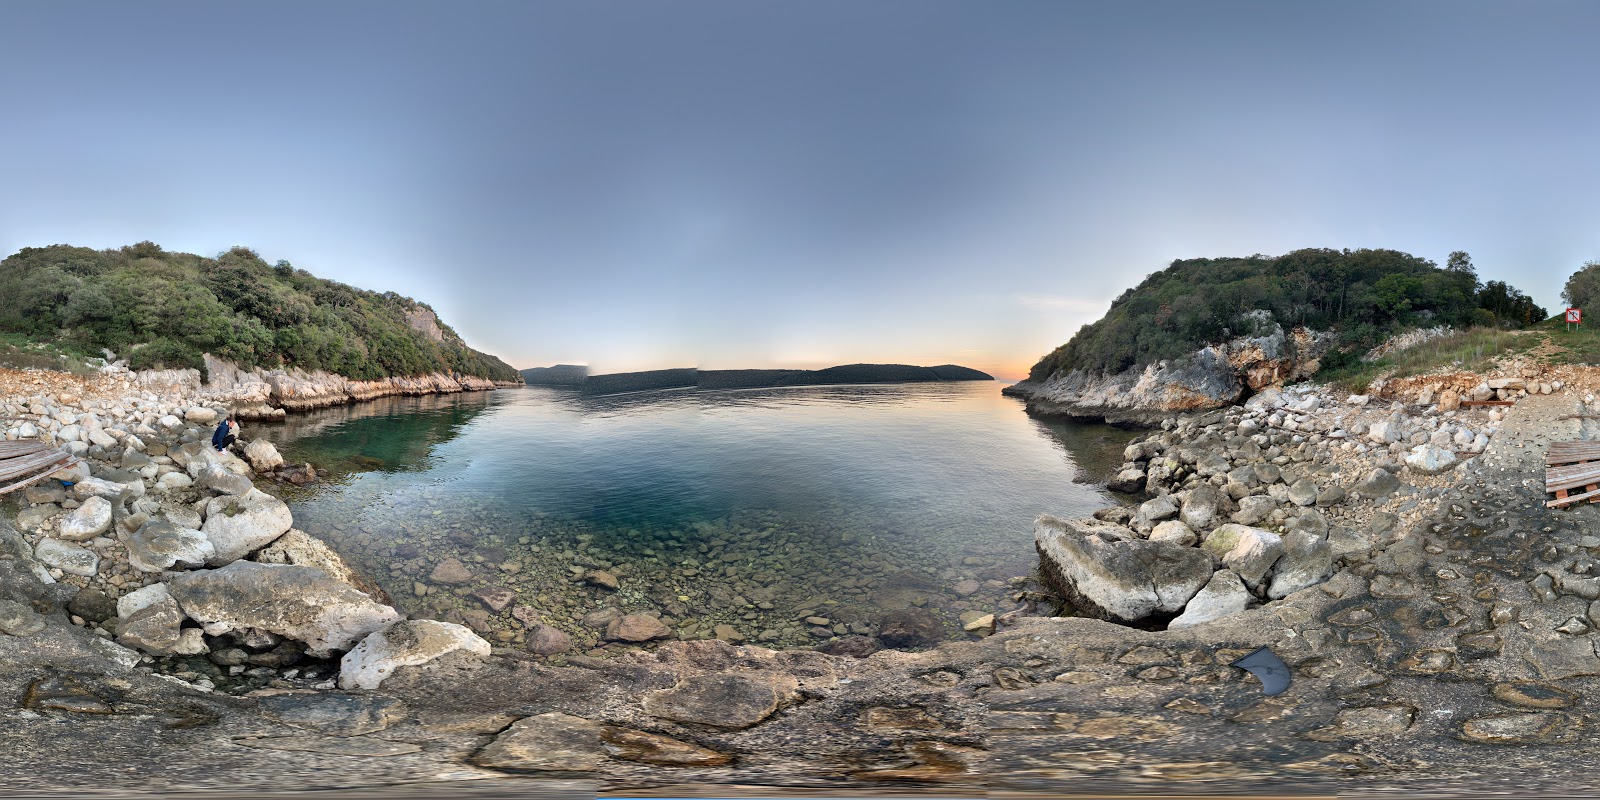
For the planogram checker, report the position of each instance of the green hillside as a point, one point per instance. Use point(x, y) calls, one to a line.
point(1364, 295)
point(161, 309)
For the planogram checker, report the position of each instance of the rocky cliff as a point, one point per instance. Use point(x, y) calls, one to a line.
point(1215, 376)
point(269, 393)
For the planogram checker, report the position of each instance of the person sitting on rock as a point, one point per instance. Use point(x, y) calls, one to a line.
point(226, 434)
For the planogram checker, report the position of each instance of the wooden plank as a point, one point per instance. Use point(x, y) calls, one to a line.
point(18, 467)
point(1572, 498)
point(1554, 480)
point(1573, 447)
point(1570, 470)
point(26, 482)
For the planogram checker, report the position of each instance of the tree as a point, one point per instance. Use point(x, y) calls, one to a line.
point(1584, 286)
point(1460, 262)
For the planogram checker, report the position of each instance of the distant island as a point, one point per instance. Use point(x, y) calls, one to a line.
point(558, 375)
point(714, 379)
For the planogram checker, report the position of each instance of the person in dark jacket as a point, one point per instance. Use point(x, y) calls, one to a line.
point(225, 435)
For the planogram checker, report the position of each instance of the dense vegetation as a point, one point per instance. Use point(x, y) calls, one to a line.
point(713, 379)
point(1583, 288)
point(558, 375)
point(1364, 295)
point(162, 309)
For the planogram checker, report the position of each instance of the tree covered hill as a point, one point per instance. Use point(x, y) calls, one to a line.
point(162, 309)
point(1364, 295)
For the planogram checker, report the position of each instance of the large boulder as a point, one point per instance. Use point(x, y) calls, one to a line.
point(1109, 575)
point(263, 455)
point(1248, 551)
point(1201, 508)
point(304, 550)
point(86, 521)
point(221, 480)
point(238, 525)
point(1307, 559)
point(160, 545)
point(301, 603)
point(404, 644)
point(1224, 594)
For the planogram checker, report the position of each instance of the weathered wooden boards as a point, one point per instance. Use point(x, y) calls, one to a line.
point(1569, 466)
point(26, 462)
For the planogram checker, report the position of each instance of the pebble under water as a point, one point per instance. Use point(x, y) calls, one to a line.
point(781, 516)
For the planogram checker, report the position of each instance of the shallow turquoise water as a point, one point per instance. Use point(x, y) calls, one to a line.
point(755, 505)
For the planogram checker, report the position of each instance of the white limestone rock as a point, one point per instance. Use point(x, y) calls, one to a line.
point(86, 521)
point(239, 525)
point(404, 644)
point(301, 603)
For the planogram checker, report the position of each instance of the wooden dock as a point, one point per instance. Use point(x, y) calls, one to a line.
point(26, 462)
point(1570, 466)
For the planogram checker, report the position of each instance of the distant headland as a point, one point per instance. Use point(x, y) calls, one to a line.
point(714, 379)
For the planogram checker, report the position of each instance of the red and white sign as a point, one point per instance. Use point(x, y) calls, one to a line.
point(1575, 315)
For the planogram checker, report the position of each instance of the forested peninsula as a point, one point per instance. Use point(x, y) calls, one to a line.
point(713, 379)
point(160, 309)
point(1204, 332)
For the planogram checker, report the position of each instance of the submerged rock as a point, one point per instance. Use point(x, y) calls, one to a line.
point(1113, 577)
point(909, 628)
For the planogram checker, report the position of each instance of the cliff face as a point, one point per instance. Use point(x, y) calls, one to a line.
point(268, 394)
point(1215, 376)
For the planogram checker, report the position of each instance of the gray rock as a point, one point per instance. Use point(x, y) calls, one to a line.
point(1430, 460)
point(238, 525)
point(551, 742)
point(1306, 561)
point(1331, 496)
point(1267, 473)
point(402, 644)
point(301, 603)
point(68, 558)
point(1254, 509)
point(1303, 492)
point(1127, 481)
point(1173, 532)
point(17, 619)
point(724, 700)
point(1113, 577)
point(155, 628)
point(1224, 594)
point(1377, 483)
point(137, 599)
point(1155, 510)
point(263, 455)
point(1248, 551)
point(160, 545)
point(33, 517)
point(86, 521)
point(220, 480)
point(1201, 508)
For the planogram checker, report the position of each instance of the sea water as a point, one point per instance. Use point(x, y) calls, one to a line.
point(784, 516)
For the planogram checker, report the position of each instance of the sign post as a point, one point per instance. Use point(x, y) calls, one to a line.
point(1574, 317)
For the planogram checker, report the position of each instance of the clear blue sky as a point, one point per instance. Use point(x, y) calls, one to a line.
point(741, 184)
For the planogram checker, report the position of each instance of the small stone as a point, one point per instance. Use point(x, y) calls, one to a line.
point(636, 628)
point(450, 572)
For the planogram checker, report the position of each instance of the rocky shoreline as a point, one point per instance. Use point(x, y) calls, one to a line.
point(1449, 645)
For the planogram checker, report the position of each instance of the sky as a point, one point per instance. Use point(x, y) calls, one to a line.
point(738, 184)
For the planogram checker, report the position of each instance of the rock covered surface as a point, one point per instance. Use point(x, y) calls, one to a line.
point(1269, 497)
point(1430, 661)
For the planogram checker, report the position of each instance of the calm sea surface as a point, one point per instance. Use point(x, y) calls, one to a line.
point(755, 509)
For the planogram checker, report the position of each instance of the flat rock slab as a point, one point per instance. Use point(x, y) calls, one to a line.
point(723, 699)
point(302, 603)
point(331, 745)
point(652, 748)
point(1109, 576)
point(334, 713)
point(545, 743)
